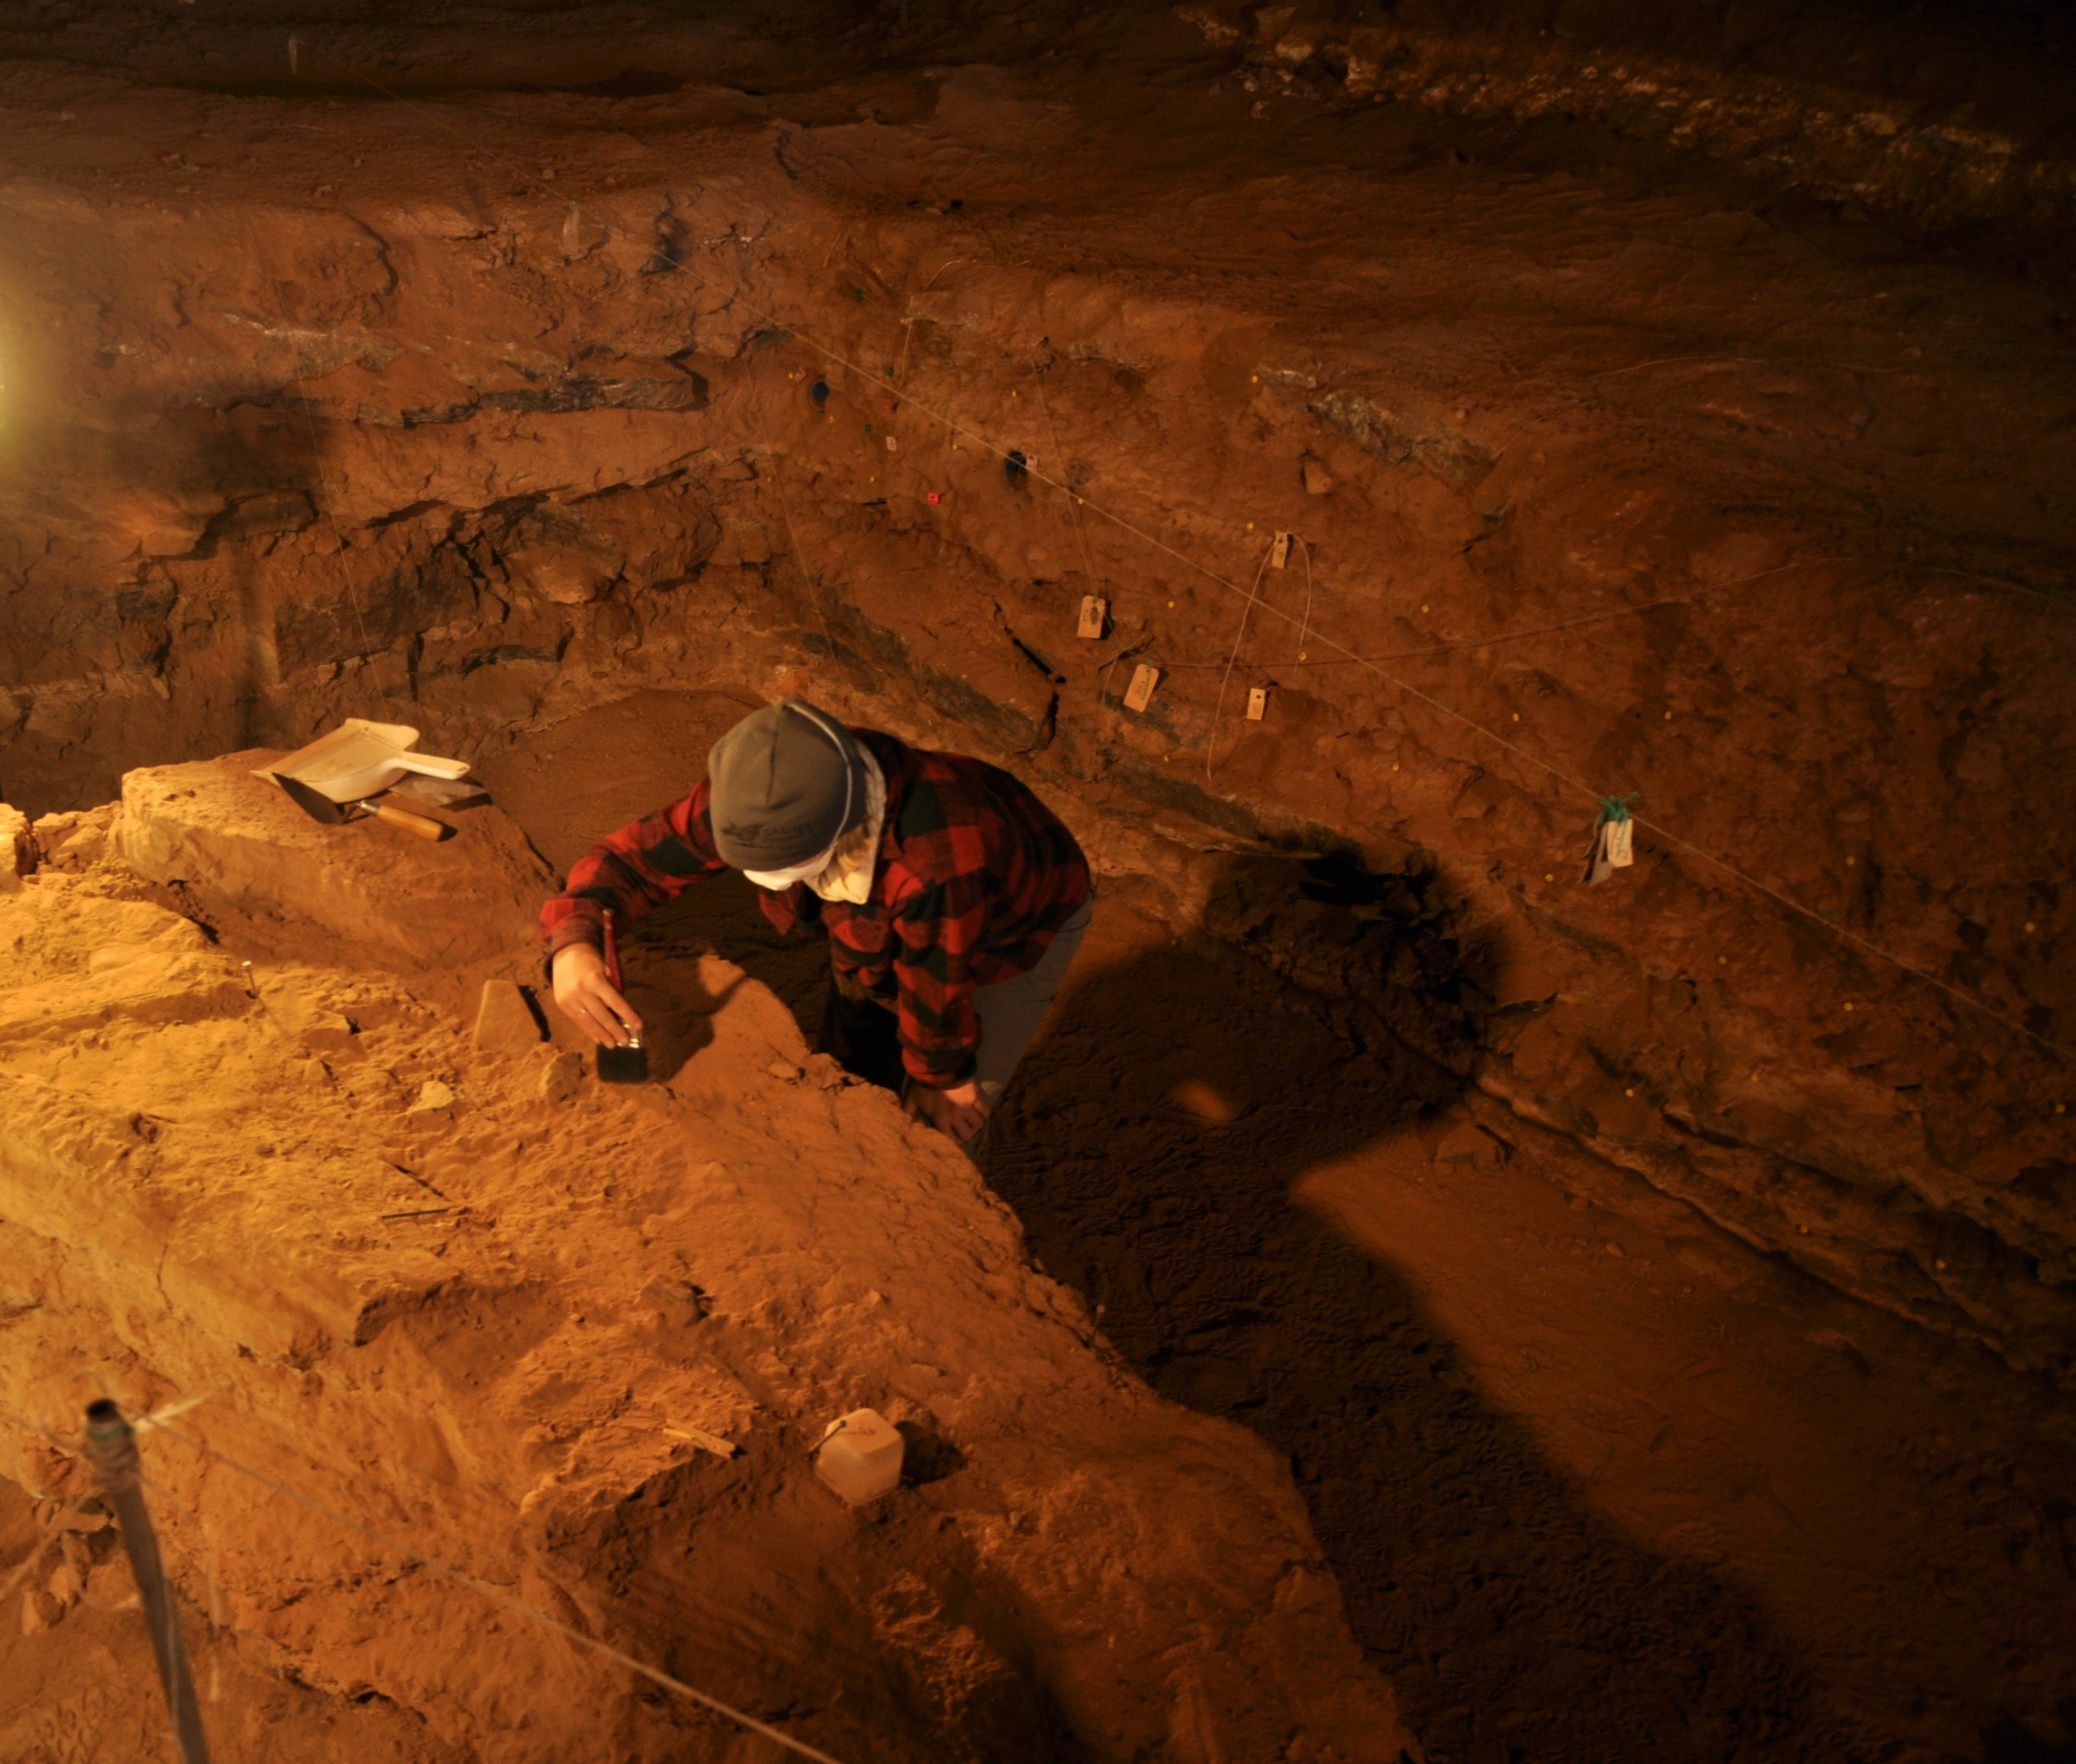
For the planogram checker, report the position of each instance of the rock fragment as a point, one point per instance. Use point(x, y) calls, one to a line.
point(1466, 1144)
point(435, 1097)
point(504, 1020)
point(560, 1077)
point(17, 850)
point(74, 840)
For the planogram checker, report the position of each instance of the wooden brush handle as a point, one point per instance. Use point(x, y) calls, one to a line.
point(423, 825)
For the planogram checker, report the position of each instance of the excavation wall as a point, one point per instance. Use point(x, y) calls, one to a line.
point(323, 408)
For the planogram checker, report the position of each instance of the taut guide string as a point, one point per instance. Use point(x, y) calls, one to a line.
point(1217, 714)
point(158, 1422)
point(1432, 703)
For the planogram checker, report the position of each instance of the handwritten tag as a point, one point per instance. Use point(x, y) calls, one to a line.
point(1613, 850)
point(893, 445)
point(1095, 614)
point(1279, 554)
point(1143, 680)
point(1257, 704)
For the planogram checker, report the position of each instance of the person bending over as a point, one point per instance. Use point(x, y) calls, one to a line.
point(952, 898)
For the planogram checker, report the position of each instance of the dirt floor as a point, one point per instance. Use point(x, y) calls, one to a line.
point(1594, 1491)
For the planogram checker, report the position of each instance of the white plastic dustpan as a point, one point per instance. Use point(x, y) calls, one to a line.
point(360, 758)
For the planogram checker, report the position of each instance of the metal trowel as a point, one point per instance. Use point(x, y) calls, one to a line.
point(320, 807)
point(620, 1065)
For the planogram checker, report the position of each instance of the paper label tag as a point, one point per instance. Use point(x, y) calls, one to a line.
point(893, 445)
point(1143, 680)
point(1597, 867)
point(1617, 835)
point(1095, 611)
point(1257, 704)
point(1279, 554)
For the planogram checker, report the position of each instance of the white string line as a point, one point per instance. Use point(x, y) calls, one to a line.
point(71, 1449)
point(28, 1563)
point(1253, 594)
point(799, 559)
point(1073, 513)
point(506, 1602)
point(2061, 600)
point(1307, 624)
point(1539, 630)
point(324, 484)
point(1435, 704)
point(207, 1551)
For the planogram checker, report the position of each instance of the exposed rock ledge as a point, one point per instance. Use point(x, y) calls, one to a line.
point(492, 1323)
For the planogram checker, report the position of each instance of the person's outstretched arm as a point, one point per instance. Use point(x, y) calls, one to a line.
point(630, 873)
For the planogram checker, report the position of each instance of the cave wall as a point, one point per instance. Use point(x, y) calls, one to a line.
point(474, 451)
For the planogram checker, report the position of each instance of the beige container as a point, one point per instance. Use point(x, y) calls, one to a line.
point(861, 1456)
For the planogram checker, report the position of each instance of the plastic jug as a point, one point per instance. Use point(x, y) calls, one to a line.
point(861, 1456)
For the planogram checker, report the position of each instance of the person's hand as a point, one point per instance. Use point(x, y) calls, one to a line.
point(589, 1000)
point(958, 1113)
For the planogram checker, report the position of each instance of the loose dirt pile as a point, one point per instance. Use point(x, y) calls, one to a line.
point(475, 1302)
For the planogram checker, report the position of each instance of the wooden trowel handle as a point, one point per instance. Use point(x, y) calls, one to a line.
point(423, 825)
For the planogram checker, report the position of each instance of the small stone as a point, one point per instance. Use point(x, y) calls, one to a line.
point(560, 1077)
point(785, 1071)
point(434, 1096)
point(677, 1302)
point(111, 1586)
point(505, 1021)
point(1465, 1143)
point(18, 850)
point(1319, 481)
point(39, 1612)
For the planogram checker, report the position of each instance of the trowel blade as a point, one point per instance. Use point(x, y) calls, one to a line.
point(313, 804)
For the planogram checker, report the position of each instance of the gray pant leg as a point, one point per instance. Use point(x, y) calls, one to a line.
point(1010, 1014)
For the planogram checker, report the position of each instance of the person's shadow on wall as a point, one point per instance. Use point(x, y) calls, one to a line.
point(1151, 1145)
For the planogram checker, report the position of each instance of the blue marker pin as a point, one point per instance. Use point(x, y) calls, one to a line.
point(1012, 469)
point(819, 393)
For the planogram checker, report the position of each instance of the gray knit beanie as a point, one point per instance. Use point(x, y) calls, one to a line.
point(786, 782)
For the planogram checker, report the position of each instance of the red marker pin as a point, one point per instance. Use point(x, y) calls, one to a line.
point(934, 498)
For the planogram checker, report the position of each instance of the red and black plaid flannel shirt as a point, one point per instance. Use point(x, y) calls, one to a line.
point(975, 874)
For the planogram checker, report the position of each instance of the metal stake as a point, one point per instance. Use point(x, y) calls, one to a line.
point(111, 1448)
